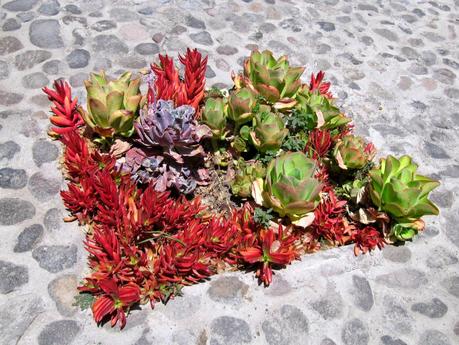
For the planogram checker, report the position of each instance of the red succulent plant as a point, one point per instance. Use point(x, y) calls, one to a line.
point(66, 116)
point(367, 239)
point(319, 143)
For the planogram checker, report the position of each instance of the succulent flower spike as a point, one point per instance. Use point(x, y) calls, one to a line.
point(240, 105)
point(395, 188)
point(351, 152)
point(290, 187)
point(112, 105)
point(269, 132)
point(214, 116)
point(271, 78)
point(318, 85)
point(66, 116)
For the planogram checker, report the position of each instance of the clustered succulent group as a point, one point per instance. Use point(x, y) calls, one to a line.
point(140, 168)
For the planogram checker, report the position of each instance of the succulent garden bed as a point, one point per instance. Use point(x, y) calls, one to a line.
point(179, 182)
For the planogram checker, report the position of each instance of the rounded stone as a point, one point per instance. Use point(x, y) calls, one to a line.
point(194, 22)
point(13, 178)
point(440, 257)
point(11, 24)
point(30, 58)
point(451, 285)
point(227, 290)
point(8, 149)
point(363, 295)
point(53, 220)
point(445, 76)
point(326, 26)
point(14, 211)
point(10, 98)
point(35, 80)
point(433, 337)
point(388, 340)
point(78, 58)
point(43, 188)
point(434, 309)
point(28, 238)
point(399, 254)
point(53, 67)
point(452, 92)
point(103, 25)
point(435, 151)
point(44, 151)
point(226, 50)
point(46, 33)
point(229, 330)
point(202, 37)
point(387, 34)
point(72, 9)
point(355, 332)
point(147, 49)
point(61, 332)
point(55, 258)
point(49, 8)
point(288, 325)
point(4, 70)
point(12, 276)
point(63, 291)
point(20, 5)
point(405, 278)
point(9, 44)
point(109, 45)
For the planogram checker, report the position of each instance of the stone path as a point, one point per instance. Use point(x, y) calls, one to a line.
point(394, 66)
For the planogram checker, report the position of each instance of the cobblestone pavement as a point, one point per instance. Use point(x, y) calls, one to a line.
point(394, 67)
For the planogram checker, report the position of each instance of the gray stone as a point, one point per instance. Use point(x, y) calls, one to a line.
point(396, 317)
point(28, 238)
point(109, 45)
point(226, 50)
point(452, 93)
point(388, 340)
point(20, 5)
point(429, 58)
point(17, 314)
point(13, 178)
point(194, 22)
point(9, 44)
point(440, 257)
point(12, 276)
point(434, 309)
point(433, 337)
point(103, 25)
point(229, 330)
point(445, 76)
point(363, 295)
point(30, 58)
point(26, 16)
point(63, 290)
point(451, 285)
point(4, 70)
point(387, 34)
point(43, 188)
point(279, 287)
point(72, 9)
point(443, 199)
point(44, 151)
point(399, 254)
point(53, 67)
point(435, 151)
point(78, 58)
point(405, 278)
point(122, 14)
point(78, 79)
point(267, 27)
point(55, 258)
point(291, 24)
point(147, 49)
point(14, 211)
point(50, 8)
point(185, 307)
point(132, 61)
point(327, 26)
point(46, 33)
point(417, 69)
point(227, 290)
point(322, 48)
point(327, 341)
point(61, 332)
point(355, 332)
point(35, 80)
point(410, 53)
point(53, 220)
point(287, 326)
point(202, 37)
point(451, 63)
point(11, 24)
point(210, 72)
point(8, 149)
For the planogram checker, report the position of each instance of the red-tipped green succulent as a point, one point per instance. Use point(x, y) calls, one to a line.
point(397, 189)
point(66, 116)
point(271, 78)
point(214, 116)
point(246, 173)
point(290, 188)
point(240, 105)
point(352, 152)
point(271, 249)
point(112, 105)
point(268, 131)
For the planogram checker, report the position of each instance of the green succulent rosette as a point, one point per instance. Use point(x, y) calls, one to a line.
point(268, 132)
point(352, 152)
point(214, 115)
